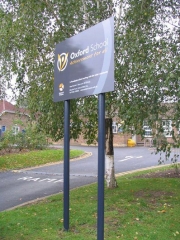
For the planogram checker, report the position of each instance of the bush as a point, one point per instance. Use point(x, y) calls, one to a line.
point(30, 139)
point(35, 139)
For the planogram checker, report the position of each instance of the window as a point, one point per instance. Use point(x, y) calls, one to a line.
point(120, 129)
point(117, 128)
point(167, 127)
point(114, 127)
point(3, 129)
point(15, 130)
point(147, 130)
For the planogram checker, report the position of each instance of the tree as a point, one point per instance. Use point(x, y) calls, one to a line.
point(148, 64)
point(2, 90)
point(146, 60)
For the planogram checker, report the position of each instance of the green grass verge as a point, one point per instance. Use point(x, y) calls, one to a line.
point(140, 208)
point(34, 158)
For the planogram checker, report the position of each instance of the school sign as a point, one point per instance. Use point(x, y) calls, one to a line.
point(84, 63)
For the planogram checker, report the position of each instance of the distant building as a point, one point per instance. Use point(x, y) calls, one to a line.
point(9, 114)
point(120, 138)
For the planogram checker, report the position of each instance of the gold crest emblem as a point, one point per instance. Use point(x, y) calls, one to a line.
point(62, 61)
point(61, 87)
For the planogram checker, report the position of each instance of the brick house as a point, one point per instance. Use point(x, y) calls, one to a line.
point(167, 125)
point(9, 116)
point(10, 113)
point(121, 139)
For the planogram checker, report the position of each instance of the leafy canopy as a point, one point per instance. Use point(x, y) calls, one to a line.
point(146, 60)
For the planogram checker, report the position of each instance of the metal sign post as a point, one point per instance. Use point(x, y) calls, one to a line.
point(101, 165)
point(66, 162)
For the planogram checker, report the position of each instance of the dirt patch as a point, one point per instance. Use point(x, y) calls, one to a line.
point(12, 151)
point(152, 198)
point(170, 173)
point(152, 194)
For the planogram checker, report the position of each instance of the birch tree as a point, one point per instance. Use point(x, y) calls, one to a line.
point(146, 62)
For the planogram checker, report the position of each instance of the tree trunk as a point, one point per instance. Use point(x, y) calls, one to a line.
point(109, 155)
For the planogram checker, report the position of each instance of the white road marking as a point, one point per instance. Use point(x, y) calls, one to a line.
point(49, 180)
point(61, 180)
point(128, 158)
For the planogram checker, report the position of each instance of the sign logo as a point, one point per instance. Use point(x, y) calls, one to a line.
point(62, 61)
point(61, 87)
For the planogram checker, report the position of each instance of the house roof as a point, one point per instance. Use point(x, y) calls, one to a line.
point(6, 106)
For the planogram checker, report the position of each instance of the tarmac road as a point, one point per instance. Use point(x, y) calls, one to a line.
point(22, 186)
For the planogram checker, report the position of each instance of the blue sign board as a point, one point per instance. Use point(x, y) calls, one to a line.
point(84, 64)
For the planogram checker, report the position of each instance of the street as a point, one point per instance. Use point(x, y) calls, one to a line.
point(21, 186)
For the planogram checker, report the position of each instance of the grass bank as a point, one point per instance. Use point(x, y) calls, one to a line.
point(34, 158)
point(139, 209)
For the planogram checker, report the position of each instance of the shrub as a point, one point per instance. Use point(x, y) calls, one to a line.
point(31, 138)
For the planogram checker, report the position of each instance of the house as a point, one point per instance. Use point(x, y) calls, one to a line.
point(121, 139)
point(10, 116)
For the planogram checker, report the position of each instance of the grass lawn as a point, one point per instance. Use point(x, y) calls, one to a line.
point(139, 209)
point(34, 158)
